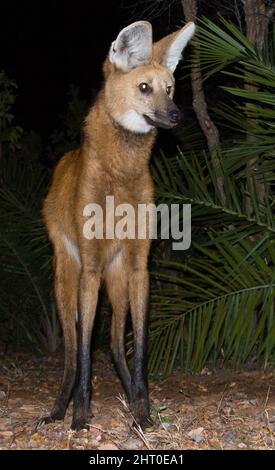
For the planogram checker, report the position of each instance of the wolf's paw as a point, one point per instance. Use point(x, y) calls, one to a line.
point(78, 424)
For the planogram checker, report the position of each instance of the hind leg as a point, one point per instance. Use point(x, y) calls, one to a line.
point(117, 288)
point(66, 289)
point(139, 294)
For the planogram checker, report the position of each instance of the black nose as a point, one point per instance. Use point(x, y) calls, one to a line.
point(175, 116)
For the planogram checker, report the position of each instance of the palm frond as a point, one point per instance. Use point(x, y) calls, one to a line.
point(216, 306)
point(24, 255)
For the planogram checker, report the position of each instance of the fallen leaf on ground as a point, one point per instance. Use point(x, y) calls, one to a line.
point(215, 443)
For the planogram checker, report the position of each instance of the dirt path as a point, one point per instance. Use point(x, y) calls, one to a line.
point(223, 410)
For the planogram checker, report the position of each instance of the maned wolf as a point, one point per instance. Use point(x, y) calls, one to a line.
point(119, 132)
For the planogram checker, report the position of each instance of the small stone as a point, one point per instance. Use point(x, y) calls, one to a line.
point(93, 444)
point(6, 435)
point(196, 435)
point(253, 402)
point(242, 445)
point(96, 432)
point(132, 444)
point(108, 446)
point(206, 371)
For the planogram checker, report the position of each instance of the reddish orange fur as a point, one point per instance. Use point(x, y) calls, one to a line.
point(111, 161)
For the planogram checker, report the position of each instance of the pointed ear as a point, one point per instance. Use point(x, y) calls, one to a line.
point(133, 46)
point(167, 51)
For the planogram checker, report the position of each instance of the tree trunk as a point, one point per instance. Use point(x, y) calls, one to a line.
point(200, 106)
point(257, 17)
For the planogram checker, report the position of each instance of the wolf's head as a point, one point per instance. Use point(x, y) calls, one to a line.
point(139, 77)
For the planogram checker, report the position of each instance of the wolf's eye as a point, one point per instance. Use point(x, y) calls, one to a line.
point(145, 88)
point(168, 90)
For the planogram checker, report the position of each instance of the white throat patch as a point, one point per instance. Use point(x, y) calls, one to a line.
point(134, 122)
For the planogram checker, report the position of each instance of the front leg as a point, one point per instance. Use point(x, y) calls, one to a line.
point(88, 296)
point(139, 291)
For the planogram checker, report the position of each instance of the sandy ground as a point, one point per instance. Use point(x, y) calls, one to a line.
point(213, 410)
